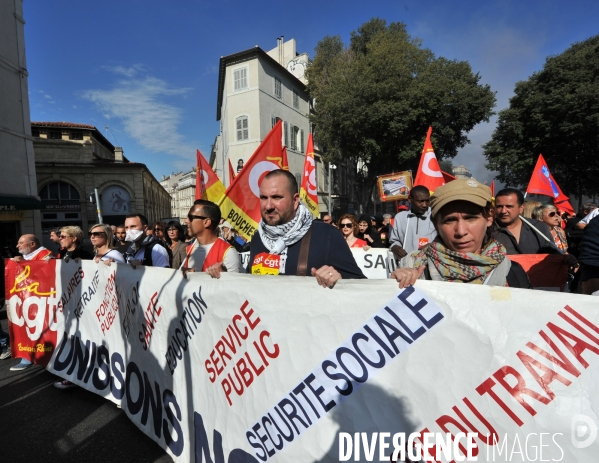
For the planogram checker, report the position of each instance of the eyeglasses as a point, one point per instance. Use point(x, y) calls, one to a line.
point(552, 214)
point(96, 234)
point(158, 229)
point(346, 225)
point(199, 217)
point(64, 237)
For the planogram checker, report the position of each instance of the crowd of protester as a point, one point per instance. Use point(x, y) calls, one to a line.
point(459, 234)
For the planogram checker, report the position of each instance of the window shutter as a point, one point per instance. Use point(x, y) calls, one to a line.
point(301, 140)
point(239, 131)
point(245, 128)
point(285, 134)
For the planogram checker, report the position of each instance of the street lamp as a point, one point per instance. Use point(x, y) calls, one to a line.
point(331, 167)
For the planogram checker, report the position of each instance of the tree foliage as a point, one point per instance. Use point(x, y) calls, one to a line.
point(555, 113)
point(376, 98)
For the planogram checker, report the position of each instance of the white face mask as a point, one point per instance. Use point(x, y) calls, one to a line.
point(132, 235)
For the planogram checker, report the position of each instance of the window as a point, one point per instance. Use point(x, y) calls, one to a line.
point(35, 133)
point(294, 137)
point(285, 137)
point(301, 147)
point(59, 193)
point(298, 178)
point(76, 135)
point(54, 135)
point(242, 128)
point(240, 79)
point(274, 120)
point(278, 88)
point(295, 99)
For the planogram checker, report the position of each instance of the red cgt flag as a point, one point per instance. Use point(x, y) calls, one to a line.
point(240, 205)
point(543, 183)
point(208, 185)
point(429, 173)
point(308, 192)
point(231, 172)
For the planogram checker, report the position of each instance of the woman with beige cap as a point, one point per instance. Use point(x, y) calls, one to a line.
point(463, 251)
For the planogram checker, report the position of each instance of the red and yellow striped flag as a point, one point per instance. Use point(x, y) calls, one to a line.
point(208, 185)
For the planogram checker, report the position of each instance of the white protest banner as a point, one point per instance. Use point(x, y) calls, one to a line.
point(248, 369)
point(376, 263)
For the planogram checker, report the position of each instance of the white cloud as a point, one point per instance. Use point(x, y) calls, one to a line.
point(122, 70)
point(149, 121)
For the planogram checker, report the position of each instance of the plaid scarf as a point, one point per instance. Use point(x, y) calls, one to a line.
point(462, 267)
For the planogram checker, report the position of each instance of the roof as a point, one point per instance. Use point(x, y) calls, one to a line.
point(64, 125)
point(245, 56)
point(74, 125)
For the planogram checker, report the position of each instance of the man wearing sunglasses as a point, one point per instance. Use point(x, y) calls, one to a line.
point(143, 249)
point(290, 242)
point(208, 253)
point(529, 236)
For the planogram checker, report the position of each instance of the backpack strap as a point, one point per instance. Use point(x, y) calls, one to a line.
point(302, 262)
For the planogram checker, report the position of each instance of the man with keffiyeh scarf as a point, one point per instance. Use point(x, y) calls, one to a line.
point(463, 251)
point(286, 224)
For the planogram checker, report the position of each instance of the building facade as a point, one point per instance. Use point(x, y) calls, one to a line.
point(256, 89)
point(182, 189)
point(19, 204)
point(73, 160)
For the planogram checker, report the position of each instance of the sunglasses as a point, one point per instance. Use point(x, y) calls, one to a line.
point(346, 225)
point(327, 220)
point(64, 237)
point(158, 229)
point(97, 234)
point(199, 217)
point(552, 214)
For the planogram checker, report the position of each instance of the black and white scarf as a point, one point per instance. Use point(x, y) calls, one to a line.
point(277, 238)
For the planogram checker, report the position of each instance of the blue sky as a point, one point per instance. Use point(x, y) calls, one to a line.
point(149, 68)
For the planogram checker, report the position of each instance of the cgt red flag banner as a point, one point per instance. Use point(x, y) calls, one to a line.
point(429, 173)
point(231, 173)
point(32, 303)
point(308, 192)
point(240, 205)
point(548, 271)
point(208, 185)
point(543, 183)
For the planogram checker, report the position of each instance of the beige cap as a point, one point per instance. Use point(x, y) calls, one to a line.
point(460, 190)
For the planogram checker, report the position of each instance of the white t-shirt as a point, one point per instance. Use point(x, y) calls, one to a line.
point(115, 256)
point(159, 256)
point(200, 251)
point(590, 216)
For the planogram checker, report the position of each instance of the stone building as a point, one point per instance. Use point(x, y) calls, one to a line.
point(74, 159)
point(462, 171)
point(182, 189)
point(19, 204)
point(256, 89)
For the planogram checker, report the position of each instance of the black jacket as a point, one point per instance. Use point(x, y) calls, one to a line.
point(530, 242)
point(77, 253)
point(327, 247)
point(589, 247)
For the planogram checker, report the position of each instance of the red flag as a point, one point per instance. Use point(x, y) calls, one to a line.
point(544, 270)
point(308, 192)
point(543, 183)
point(429, 173)
point(240, 205)
point(492, 188)
point(231, 172)
point(208, 185)
point(447, 177)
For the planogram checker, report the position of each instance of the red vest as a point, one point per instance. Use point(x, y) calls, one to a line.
point(216, 254)
point(42, 255)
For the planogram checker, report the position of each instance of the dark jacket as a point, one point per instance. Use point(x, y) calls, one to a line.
point(77, 253)
point(589, 246)
point(530, 242)
point(327, 247)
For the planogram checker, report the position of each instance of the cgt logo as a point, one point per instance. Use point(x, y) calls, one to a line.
point(584, 431)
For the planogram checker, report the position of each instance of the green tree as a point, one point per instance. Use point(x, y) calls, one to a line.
point(376, 98)
point(555, 113)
